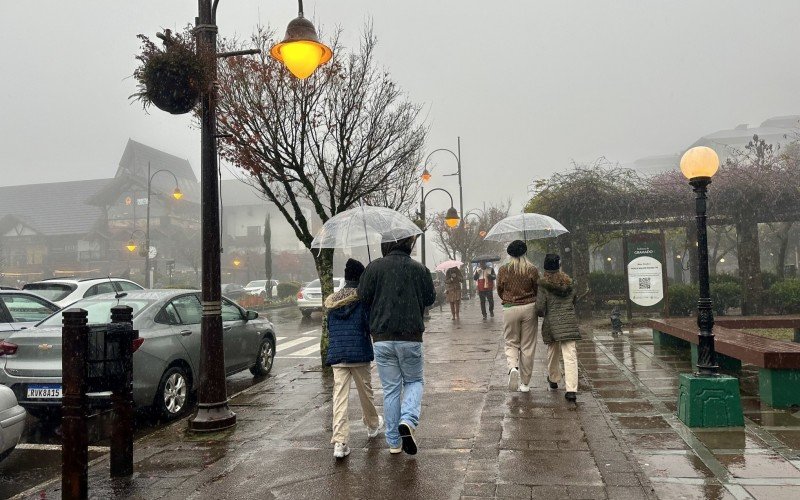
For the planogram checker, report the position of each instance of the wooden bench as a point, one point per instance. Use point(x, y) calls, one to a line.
point(778, 362)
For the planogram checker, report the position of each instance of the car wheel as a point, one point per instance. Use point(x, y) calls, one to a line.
point(306, 313)
point(265, 359)
point(172, 397)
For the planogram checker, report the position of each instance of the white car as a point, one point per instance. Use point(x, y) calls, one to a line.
point(309, 299)
point(259, 287)
point(12, 421)
point(65, 291)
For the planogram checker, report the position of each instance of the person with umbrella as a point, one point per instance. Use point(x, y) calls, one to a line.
point(453, 279)
point(485, 277)
point(396, 289)
point(517, 285)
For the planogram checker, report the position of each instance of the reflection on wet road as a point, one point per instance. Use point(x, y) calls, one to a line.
point(38, 457)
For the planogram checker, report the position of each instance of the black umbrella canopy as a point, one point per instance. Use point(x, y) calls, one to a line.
point(485, 258)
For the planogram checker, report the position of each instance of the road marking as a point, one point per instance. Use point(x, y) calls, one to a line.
point(279, 338)
point(310, 331)
point(56, 447)
point(305, 352)
point(292, 343)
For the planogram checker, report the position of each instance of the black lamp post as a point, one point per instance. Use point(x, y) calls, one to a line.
point(177, 194)
point(301, 52)
point(426, 175)
point(699, 164)
point(451, 218)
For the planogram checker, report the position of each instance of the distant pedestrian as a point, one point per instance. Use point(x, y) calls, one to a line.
point(397, 289)
point(453, 279)
point(485, 278)
point(350, 353)
point(517, 285)
point(556, 304)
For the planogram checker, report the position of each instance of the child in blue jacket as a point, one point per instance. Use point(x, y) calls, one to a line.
point(350, 354)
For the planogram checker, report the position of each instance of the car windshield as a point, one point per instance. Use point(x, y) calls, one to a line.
point(257, 283)
point(50, 291)
point(315, 284)
point(99, 310)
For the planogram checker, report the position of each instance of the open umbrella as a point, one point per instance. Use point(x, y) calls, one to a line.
point(444, 266)
point(485, 258)
point(364, 226)
point(525, 227)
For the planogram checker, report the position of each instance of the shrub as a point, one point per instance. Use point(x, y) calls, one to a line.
point(725, 295)
point(288, 289)
point(724, 278)
point(785, 296)
point(603, 286)
point(768, 278)
point(682, 299)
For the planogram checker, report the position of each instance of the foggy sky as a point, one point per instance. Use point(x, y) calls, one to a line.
point(528, 85)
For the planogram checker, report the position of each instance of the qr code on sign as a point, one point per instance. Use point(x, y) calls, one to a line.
point(644, 283)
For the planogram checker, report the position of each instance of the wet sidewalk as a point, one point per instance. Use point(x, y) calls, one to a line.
point(477, 439)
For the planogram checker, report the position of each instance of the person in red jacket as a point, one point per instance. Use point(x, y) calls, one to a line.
point(485, 277)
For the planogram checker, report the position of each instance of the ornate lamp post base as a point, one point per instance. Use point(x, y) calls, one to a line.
point(709, 401)
point(212, 418)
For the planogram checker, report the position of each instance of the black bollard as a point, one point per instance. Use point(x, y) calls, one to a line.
point(75, 439)
point(121, 453)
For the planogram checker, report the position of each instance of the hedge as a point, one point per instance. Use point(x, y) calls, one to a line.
point(288, 289)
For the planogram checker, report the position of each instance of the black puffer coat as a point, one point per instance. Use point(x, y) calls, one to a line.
point(556, 304)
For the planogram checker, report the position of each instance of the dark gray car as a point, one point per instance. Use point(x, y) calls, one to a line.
point(166, 362)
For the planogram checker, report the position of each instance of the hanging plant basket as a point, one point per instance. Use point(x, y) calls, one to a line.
point(171, 78)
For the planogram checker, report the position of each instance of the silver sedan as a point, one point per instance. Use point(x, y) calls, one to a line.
point(166, 360)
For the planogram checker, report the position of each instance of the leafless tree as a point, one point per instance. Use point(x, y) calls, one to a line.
point(346, 134)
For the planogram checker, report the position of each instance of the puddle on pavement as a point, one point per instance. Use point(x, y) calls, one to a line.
point(729, 439)
point(632, 407)
point(774, 419)
point(673, 466)
point(758, 466)
point(692, 491)
point(642, 423)
point(659, 441)
point(790, 439)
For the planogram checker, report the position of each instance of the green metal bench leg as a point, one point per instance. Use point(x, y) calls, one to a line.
point(725, 363)
point(661, 339)
point(779, 388)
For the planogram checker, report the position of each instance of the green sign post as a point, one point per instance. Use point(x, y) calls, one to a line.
point(646, 273)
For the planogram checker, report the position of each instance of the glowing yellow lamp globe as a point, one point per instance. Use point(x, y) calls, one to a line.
point(131, 246)
point(426, 176)
point(301, 51)
point(699, 162)
point(451, 218)
point(236, 262)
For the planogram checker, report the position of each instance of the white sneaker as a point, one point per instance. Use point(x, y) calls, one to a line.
point(513, 379)
point(524, 388)
point(395, 451)
point(341, 450)
point(371, 433)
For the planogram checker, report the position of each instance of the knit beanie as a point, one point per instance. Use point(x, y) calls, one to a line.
point(353, 270)
point(552, 262)
point(517, 248)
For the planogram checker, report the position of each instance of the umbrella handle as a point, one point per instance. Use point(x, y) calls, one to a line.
point(366, 234)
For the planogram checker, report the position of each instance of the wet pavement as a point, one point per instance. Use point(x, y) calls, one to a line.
point(38, 457)
point(477, 439)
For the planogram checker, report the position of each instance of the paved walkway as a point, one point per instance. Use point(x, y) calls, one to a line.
point(476, 438)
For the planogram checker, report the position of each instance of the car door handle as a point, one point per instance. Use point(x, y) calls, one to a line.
point(186, 333)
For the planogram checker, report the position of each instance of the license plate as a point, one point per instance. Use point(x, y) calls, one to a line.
point(44, 391)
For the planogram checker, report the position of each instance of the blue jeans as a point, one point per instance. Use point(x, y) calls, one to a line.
point(400, 369)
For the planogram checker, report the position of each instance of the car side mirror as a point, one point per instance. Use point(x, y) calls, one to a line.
point(248, 315)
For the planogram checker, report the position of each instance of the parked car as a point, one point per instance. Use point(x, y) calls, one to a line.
point(233, 291)
point(12, 421)
point(166, 358)
point(309, 299)
point(65, 291)
point(259, 287)
point(20, 309)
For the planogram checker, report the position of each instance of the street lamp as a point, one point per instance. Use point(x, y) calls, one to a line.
point(426, 175)
point(236, 262)
point(177, 194)
point(451, 217)
point(300, 52)
point(696, 407)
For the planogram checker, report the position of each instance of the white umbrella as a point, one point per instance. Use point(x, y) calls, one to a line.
point(364, 226)
point(525, 227)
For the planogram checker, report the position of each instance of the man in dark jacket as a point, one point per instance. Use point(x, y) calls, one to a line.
point(350, 353)
point(485, 277)
point(397, 289)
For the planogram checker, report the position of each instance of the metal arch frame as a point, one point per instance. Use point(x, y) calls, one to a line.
point(424, 218)
point(457, 156)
